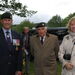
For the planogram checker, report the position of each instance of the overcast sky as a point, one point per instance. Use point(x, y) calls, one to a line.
point(48, 8)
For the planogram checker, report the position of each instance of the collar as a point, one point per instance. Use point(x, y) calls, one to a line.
point(43, 37)
point(4, 30)
point(47, 34)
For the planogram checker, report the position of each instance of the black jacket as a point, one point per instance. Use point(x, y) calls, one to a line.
point(10, 55)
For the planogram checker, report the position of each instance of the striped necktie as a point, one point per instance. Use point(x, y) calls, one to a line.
point(8, 37)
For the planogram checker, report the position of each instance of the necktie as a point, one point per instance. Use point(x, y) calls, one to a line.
point(8, 37)
point(41, 40)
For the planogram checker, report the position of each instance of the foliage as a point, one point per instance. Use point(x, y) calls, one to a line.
point(0, 22)
point(0, 25)
point(66, 19)
point(23, 24)
point(55, 21)
point(15, 7)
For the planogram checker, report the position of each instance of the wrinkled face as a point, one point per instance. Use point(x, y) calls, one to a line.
point(72, 25)
point(6, 23)
point(26, 30)
point(41, 31)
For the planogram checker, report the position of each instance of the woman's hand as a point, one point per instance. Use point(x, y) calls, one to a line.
point(69, 66)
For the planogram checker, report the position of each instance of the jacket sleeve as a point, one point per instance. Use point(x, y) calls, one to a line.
point(56, 47)
point(62, 52)
point(19, 63)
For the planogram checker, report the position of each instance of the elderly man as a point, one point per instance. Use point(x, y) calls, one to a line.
point(44, 47)
point(10, 48)
point(26, 47)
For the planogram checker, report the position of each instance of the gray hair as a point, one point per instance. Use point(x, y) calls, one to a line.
point(26, 27)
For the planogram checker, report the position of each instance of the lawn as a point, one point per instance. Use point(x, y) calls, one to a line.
point(59, 68)
point(32, 68)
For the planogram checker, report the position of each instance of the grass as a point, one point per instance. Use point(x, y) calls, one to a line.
point(32, 68)
point(59, 68)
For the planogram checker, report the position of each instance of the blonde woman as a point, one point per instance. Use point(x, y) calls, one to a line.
point(66, 53)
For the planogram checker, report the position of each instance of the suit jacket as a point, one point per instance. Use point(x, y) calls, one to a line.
point(45, 55)
point(10, 55)
point(26, 42)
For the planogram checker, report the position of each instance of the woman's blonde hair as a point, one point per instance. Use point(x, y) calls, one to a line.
point(69, 23)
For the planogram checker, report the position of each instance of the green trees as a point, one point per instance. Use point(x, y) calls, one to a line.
point(55, 21)
point(23, 24)
point(66, 19)
point(15, 7)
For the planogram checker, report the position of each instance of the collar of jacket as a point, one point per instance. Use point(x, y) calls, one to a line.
point(47, 34)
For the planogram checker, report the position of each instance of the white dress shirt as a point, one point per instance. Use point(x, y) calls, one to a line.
point(5, 30)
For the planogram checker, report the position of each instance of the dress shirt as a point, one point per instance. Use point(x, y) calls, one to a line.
point(4, 30)
point(43, 38)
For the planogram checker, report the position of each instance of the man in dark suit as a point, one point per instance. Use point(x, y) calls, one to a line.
point(26, 47)
point(44, 47)
point(10, 48)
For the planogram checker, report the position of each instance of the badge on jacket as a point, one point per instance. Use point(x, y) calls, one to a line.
point(16, 42)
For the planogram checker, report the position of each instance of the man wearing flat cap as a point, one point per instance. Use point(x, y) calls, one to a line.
point(44, 48)
point(10, 48)
point(42, 24)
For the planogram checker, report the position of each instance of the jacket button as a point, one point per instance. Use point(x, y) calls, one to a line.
point(9, 54)
point(9, 63)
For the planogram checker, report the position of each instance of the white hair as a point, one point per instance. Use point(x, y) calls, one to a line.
point(46, 28)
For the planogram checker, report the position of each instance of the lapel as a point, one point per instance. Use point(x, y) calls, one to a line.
point(13, 34)
point(2, 35)
point(38, 41)
point(46, 41)
point(3, 39)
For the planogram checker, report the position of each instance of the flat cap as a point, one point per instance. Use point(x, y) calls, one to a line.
point(7, 15)
point(41, 24)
